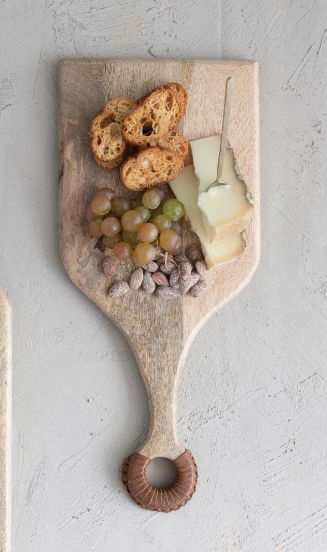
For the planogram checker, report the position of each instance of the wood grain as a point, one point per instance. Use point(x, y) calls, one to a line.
point(5, 423)
point(159, 333)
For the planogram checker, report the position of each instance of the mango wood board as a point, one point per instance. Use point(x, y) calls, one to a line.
point(5, 422)
point(159, 333)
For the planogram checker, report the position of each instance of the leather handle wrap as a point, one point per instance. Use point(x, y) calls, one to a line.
point(164, 499)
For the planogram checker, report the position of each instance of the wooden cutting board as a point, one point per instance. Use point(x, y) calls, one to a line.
point(5, 423)
point(159, 333)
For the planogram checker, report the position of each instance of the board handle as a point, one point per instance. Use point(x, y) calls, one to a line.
point(162, 387)
point(166, 499)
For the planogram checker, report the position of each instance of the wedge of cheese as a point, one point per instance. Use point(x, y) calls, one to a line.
point(226, 209)
point(186, 190)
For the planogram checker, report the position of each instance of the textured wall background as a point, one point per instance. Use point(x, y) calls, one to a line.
point(253, 397)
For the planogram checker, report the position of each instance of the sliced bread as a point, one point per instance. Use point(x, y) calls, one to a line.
point(151, 166)
point(181, 94)
point(141, 100)
point(153, 119)
point(110, 164)
point(175, 141)
point(106, 129)
point(175, 87)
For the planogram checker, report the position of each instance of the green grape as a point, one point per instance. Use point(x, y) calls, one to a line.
point(131, 220)
point(162, 222)
point(136, 202)
point(105, 192)
point(130, 237)
point(144, 253)
point(145, 213)
point(156, 212)
point(170, 241)
point(177, 226)
point(151, 199)
point(147, 232)
point(122, 251)
point(100, 205)
point(110, 241)
point(160, 191)
point(119, 206)
point(177, 247)
point(89, 215)
point(174, 209)
point(110, 226)
point(95, 228)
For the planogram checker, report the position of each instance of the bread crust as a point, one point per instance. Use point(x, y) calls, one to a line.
point(109, 164)
point(178, 89)
point(151, 166)
point(106, 129)
point(181, 94)
point(174, 140)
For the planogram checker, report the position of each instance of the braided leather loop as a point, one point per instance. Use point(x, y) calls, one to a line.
point(164, 499)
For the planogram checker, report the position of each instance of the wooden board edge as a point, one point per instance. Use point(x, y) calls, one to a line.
point(5, 421)
point(216, 309)
point(64, 62)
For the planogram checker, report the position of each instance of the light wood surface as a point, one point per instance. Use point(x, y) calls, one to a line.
point(159, 333)
point(5, 423)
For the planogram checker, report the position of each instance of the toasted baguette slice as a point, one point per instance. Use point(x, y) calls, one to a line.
point(178, 89)
point(141, 100)
point(110, 164)
point(107, 141)
point(153, 119)
point(175, 141)
point(181, 94)
point(151, 166)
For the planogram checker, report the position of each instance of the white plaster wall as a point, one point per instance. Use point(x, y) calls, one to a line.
point(253, 401)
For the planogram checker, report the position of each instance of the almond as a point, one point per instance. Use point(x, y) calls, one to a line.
point(180, 257)
point(136, 279)
point(109, 267)
point(118, 289)
point(166, 292)
point(194, 253)
point(151, 267)
point(166, 266)
point(199, 288)
point(148, 284)
point(201, 268)
point(195, 277)
point(174, 279)
point(160, 279)
point(185, 269)
point(185, 284)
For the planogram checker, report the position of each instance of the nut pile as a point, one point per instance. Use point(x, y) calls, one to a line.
point(167, 277)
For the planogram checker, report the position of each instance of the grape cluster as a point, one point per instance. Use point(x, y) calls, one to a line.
point(140, 228)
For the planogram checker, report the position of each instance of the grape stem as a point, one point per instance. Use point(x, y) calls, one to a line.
point(165, 255)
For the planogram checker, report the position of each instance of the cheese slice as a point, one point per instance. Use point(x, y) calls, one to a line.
point(226, 209)
point(186, 190)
